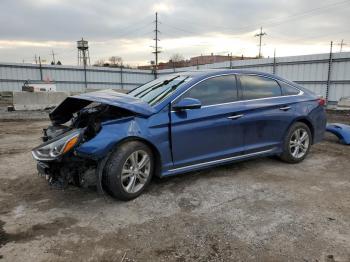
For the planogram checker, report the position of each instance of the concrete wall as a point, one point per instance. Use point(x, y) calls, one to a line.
point(37, 100)
point(19, 100)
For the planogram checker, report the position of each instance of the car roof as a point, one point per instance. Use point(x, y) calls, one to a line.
point(204, 73)
point(212, 72)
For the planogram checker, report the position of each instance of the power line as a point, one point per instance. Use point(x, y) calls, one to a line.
point(280, 37)
point(179, 29)
point(313, 37)
point(277, 22)
point(266, 23)
point(142, 21)
point(133, 31)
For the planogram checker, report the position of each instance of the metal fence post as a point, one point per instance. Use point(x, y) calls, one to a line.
point(85, 77)
point(330, 61)
point(154, 72)
point(274, 62)
point(121, 76)
point(41, 69)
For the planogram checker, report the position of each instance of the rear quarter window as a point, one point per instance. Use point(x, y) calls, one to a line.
point(288, 90)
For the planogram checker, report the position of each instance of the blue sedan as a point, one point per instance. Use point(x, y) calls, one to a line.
point(175, 124)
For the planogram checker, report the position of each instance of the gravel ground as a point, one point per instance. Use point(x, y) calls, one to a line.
point(257, 210)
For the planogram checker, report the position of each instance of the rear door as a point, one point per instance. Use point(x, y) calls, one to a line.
point(267, 115)
point(213, 131)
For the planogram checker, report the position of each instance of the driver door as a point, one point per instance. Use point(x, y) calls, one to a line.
point(211, 132)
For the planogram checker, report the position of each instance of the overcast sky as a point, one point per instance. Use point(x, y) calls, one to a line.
point(188, 27)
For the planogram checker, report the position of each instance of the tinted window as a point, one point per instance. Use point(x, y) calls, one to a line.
point(288, 90)
point(259, 87)
point(217, 90)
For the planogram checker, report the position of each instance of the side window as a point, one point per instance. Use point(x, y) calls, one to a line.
point(255, 87)
point(288, 90)
point(217, 90)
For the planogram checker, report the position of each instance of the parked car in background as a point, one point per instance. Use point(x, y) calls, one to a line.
point(176, 124)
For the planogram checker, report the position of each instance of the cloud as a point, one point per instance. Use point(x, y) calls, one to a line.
point(190, 27)
point(163, 7)
point(19, 44)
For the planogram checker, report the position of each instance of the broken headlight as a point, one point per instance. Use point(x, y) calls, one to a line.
point(60, 146)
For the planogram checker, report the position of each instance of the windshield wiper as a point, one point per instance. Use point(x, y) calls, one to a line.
point(154, 87)
point(166, 93)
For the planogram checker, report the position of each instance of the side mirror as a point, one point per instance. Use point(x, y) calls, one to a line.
point(187, 103)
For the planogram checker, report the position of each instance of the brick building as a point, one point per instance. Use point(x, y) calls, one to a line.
point(197, 60)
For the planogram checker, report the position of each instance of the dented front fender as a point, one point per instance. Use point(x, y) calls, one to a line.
point(110, 134)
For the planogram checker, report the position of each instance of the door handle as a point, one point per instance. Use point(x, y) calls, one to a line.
point(285, 108)
point(235, 117)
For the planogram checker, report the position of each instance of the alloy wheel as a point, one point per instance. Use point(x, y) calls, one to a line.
point(135, 172)
point(299, 143)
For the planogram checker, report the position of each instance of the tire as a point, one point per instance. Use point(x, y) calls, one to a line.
point(295, 146)
point(121, 172)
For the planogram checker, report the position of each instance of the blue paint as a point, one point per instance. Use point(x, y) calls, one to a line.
point(192, 139)
point(342, 131)
point(108, 97)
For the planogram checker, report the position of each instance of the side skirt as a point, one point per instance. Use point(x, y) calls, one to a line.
point(203, 165)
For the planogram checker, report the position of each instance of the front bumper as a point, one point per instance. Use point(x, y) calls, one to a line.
point(42, 168)
point(69, 171)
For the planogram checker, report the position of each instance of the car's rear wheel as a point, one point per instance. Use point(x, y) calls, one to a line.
point(129, 170)
point(297, 143)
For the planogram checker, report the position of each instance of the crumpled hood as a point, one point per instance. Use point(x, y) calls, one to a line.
point(72, 104)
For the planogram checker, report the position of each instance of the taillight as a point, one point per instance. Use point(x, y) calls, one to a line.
point(321, 101)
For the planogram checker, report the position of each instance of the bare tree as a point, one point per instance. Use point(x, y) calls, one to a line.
point(177, 60)
point(127, 66)
point(115, 61)
point(99, 62)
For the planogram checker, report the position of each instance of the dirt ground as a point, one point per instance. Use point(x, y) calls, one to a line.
point(258, 210)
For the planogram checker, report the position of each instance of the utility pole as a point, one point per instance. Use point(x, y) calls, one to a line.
point(156, 48)
point(260, 35)
point(36, 59)
point(53, 56)
point(330, 62)
point(341, 44)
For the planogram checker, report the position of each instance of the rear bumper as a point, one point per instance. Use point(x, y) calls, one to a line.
point(318, 118)
point(341, 131)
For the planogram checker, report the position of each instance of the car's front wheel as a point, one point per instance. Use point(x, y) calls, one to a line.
point(297, 143)
point(129, 170)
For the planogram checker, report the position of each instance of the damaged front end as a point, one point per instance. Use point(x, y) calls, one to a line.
point(76, 121)
point(57, 158)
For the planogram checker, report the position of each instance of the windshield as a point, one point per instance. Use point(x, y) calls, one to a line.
point(157, 90)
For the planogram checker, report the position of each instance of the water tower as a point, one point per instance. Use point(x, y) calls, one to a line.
point(83, 52)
